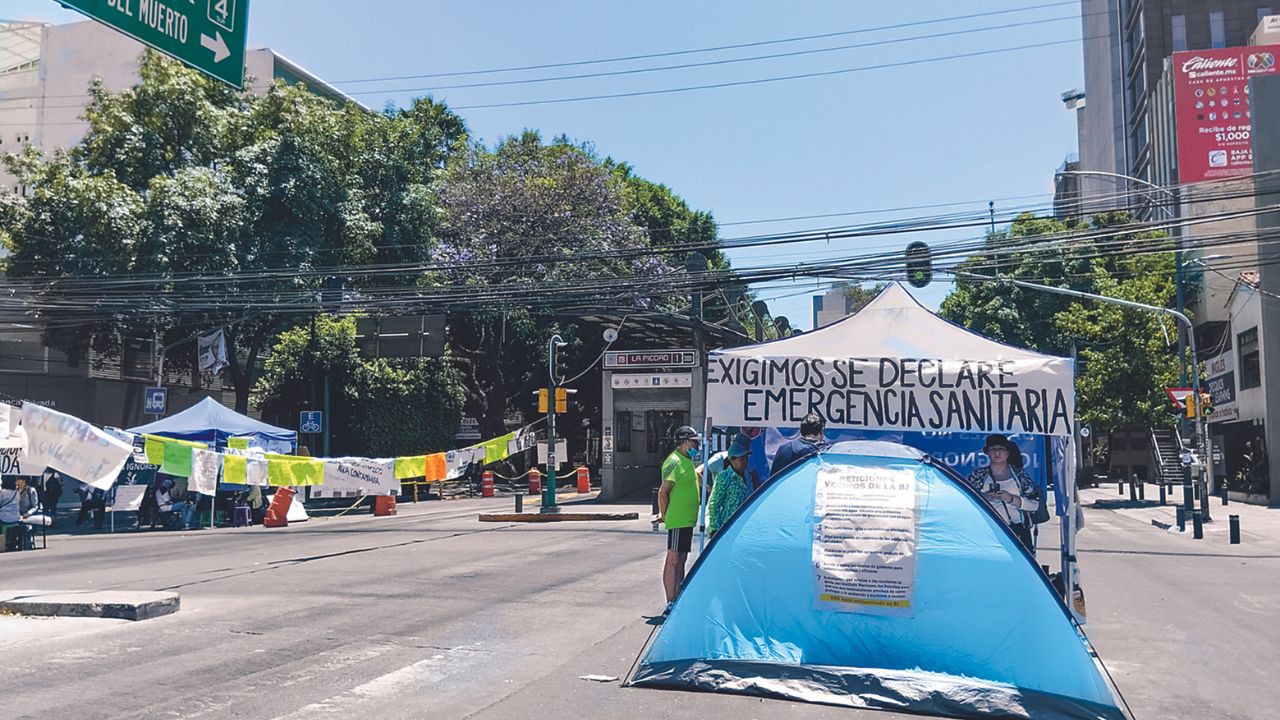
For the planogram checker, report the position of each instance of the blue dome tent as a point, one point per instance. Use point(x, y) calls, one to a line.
point(953, 619)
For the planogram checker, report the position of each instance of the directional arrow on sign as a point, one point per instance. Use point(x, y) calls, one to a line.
point(217, 45)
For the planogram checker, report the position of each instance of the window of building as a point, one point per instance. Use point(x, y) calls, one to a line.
point(1179, 33)
point(1263, 12)
point(622, 431)
point(1217, 30)
point(1249, 359)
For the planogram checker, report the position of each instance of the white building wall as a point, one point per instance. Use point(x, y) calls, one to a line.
point(45, 105)
point(1246, 312)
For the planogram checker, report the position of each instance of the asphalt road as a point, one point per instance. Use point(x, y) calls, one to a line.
point(432, 613)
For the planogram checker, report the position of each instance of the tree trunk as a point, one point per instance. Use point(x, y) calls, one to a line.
point(242, 376)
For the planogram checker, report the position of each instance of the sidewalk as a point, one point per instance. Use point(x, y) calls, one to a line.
point(331, 513)
point(1257, 523)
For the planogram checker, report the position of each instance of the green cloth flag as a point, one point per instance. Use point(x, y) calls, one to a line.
point(411, 467)
point(175, 455)
point(238, 443)
point(293, 470)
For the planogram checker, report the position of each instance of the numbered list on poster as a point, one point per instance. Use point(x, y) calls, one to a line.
point(864, 540)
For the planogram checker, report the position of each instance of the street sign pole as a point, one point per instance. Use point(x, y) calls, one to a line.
point(208, 35)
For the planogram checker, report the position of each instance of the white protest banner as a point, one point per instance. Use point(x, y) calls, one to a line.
point(889, 393)
point(13, 462)
point(11, 435)
point(128, 498)
point(864, 540)
point(72, 446)
point(205, 465)
point(351, 476)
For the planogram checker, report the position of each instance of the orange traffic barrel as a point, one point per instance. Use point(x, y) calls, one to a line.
point(384, 505)
point(486, 484)
point(278, 510)
point(584, 479)
point(535, 482)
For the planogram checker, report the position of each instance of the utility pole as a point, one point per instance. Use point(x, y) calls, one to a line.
point(1171, 211)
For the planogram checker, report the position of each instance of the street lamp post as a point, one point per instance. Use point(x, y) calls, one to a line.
point(1180, 304)
point(1181, 318)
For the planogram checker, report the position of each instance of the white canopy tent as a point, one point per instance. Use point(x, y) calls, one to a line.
point(895, 365)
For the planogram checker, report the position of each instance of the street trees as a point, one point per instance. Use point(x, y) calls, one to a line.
point(1126, 357)
point(378, 407)
point(189, 207)
point(535, 218)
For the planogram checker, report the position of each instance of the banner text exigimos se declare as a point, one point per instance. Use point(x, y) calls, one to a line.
point(921, 394)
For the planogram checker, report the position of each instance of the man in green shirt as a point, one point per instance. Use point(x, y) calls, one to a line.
point(678, 507)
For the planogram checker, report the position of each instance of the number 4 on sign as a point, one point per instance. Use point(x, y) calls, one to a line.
point(223, 13)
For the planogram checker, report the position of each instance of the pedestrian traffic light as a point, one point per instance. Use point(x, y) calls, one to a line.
point(562, 400)
point(1206, 404)
point(919, 264)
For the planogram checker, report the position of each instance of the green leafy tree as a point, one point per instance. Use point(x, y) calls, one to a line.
point(221, 209)
point(859, 295)
point(507, 210)
point(1125, 357)
point(377, 407)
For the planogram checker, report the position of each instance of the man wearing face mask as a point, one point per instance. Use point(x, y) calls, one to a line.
point(678, 507)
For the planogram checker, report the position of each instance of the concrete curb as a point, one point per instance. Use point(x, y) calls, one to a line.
point(555, 517)
point(103, 604)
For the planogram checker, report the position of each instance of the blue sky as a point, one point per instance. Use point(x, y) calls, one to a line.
point(962, 130)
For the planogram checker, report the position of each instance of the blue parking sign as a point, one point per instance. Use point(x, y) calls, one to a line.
point(309, 421)
point(155, 401)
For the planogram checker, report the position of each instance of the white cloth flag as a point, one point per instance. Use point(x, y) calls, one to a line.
point(212, 352)
point(255, 471)
point(205, 465)
point(452, 467)
point(72, 446)
point(351, 476)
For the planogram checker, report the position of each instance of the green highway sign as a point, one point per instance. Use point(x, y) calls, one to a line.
point(208, 35)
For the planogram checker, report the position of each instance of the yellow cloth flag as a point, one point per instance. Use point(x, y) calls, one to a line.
point(155, 450)
point(496, 449)
point(411, 467)
point(293, 470)
point(234, 469)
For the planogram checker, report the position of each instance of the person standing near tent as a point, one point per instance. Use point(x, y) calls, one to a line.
point(678, 507)
point(51, 481)
point(809, 442)
point(731, 487)
point(1007, 487)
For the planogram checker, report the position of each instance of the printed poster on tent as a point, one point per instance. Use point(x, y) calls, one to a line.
point(864, 540)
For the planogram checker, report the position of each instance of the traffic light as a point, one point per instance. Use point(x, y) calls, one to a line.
point(562, 400)
point(1191, 405)
point(919, 264)
point(542, 400)
point(1206, 404)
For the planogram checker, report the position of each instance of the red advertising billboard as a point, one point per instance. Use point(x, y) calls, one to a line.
point(1211, 104)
